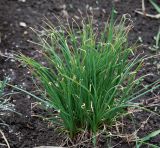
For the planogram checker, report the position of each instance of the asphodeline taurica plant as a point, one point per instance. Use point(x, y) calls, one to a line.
point(91, 77)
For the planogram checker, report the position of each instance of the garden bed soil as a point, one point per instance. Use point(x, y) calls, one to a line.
point(16, 16)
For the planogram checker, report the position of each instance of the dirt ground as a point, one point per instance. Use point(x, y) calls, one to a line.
point(16, 16)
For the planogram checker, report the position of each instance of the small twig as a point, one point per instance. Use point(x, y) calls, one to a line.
point(1, 144)
point(157, 16)
point(117, 144)
point(5, 139)
point(145, 122)
point(143, 8)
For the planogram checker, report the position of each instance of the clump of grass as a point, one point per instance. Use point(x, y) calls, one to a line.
point(91, 77)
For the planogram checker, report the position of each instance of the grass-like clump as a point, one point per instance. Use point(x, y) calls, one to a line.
point(91, 77)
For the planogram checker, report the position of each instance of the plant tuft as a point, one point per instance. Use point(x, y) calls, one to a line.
point(91, 77)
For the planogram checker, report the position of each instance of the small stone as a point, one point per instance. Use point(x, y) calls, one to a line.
point(65, 13)
point(22, 1)
point(12, 60)
point(13, 101)
point(140, 39)
point(63, 7)
point(25, 32)
point(22, 24)
point(158, 66)
point(71, 6)
point(28, 96)
point(87, 6)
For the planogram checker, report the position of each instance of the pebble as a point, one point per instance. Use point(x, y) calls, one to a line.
point(63, 7)
point(71, 6)
point(140, 39)
point(22, 24)
point(158, 66)
point(65, 13)
point(25, 32)
point(28, 96)
point(22, 1)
